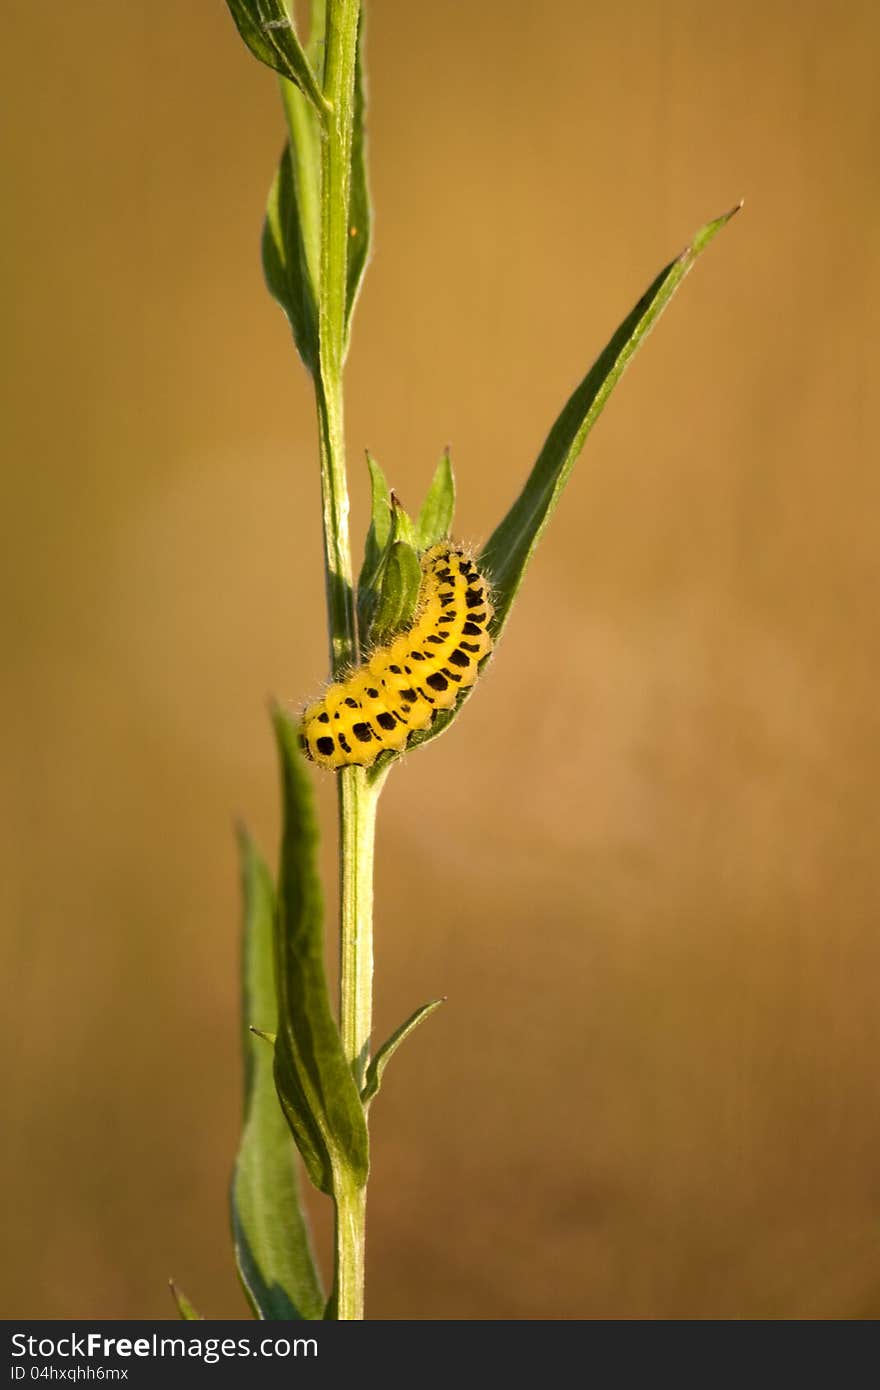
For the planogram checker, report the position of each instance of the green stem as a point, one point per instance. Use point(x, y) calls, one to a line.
point(351, 1203)
point(337, 548)
point(357, 800)
point(357, 832)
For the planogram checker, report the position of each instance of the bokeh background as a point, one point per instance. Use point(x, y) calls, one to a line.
point(643, 866)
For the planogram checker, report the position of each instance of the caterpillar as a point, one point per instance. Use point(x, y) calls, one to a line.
point(401, 686)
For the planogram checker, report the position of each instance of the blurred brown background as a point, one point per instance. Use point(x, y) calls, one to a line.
point(654, 1089)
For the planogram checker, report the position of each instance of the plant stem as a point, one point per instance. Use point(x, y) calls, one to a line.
point(357, 831)
point(357, 800)
point(351, 1205)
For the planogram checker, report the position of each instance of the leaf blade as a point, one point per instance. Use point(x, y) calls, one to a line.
point(185, 1310)
point(379, 531)
point(510, 547)
point(438, 509)
point(285, 259)
point(267, 30)
point(378, 1063)
point(401, 580)
point(271, 1237)
point(360, 208)
point(315, 1083)
point(375, 551)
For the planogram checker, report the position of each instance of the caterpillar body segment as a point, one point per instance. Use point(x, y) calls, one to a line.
point(399, 688)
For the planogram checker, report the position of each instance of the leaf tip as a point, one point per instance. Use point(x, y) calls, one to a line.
point(731, 212)
point(185, 1309)
point(706, 233)
point(261, 1033)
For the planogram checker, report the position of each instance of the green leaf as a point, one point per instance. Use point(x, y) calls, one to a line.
point(402, 526)
point(376, 1069)
point(267, 29)
point(375, 551)
point(379, 533)
point(400, 579)
point(506, 554)
point(185, 1309)
point(313, 1078)
point(360, 212)
point(388, 598)
point(270, 1232)
point(304, 129)
point(292, 227)
point(263, 1033)
point(510, 547)
point(435, 518)
point(285, 261)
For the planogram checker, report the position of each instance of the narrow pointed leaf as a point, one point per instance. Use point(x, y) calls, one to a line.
point(360, 213)
point(292, 226)
point(375, 552)
point(264, 1034)
point(285, 261)
point(267, 29)
point(401, 578)
point(510, 547)
point(402, 525)
point(388, 602)
point(270, 1231)
point(304, 129)
point(379, 533)
point(314, 1081)
point(184, 1308)
point(435, 518)
point(376, 1069)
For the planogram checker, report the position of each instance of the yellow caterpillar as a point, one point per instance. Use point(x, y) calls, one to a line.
point(402, 685)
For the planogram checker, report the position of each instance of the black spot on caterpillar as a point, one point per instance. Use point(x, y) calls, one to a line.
point(375, 706)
